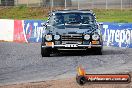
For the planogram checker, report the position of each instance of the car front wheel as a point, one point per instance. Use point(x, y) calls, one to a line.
point(45, 52)
point(98, 51)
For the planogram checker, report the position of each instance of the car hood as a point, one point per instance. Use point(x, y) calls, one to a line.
point(77, 30)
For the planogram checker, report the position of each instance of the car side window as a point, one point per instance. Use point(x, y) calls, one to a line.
point(59, 19)
point(87, 19)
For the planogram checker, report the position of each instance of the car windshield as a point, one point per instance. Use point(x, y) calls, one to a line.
point(73, 18)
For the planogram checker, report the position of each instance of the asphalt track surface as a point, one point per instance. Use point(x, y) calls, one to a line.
point(22, 62)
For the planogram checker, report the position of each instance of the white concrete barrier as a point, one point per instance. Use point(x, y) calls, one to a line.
point(6, 29)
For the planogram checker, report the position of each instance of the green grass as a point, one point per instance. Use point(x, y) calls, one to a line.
point(23, 13)
point(114, 15)
point(40, 13)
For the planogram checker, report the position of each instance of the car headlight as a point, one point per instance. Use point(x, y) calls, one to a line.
point(48, 37)
point(87, 37)
point(57, 37)
point(95, 37)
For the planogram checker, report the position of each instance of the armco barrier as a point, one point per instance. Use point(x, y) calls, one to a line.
point(114, 34)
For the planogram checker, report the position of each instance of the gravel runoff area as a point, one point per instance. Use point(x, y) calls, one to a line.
point(21, 66)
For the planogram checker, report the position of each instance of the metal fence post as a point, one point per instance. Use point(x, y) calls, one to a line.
point(121, 4)
point(65, 4)
point(78, 4)
point(52, 4)
point(27, 3)
point(106, 4)
point(39, 4)
point(16, 4)
point(130, 4)
point(92, 4)
point(5, 2)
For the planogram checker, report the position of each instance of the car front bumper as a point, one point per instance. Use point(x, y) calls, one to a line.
point(71, 46)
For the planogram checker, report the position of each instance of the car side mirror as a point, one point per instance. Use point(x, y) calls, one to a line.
point(43, 24)
point(100, 25)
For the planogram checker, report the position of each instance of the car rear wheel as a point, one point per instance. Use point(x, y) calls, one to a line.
point(45, 52)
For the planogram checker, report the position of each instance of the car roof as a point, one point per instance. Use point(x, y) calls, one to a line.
point(72, 11)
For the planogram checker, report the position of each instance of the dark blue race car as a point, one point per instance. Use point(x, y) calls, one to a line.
point(68, 30)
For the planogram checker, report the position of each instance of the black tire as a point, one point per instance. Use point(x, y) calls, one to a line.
point(81, 80)
point(98, 51)
point(45, 52)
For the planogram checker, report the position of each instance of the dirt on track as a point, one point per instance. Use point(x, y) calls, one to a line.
point(65, 83)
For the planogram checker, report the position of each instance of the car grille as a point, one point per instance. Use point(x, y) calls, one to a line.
point(72, 39)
